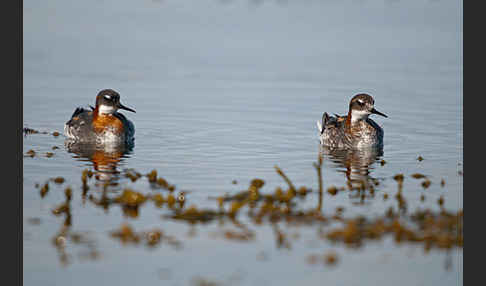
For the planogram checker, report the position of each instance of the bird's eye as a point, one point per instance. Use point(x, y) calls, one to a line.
point(360, 102)
point(108, 97)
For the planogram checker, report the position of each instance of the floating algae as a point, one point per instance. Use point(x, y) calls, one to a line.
point(433, 230)
point(332, 190)
point(194, 215)
point(239, 236)
point(127, 235)
point(29, 131)
point(277, 208)
point(158, 200)
point(281, 173)
point(58, 180)
point(152, 176)
point(31, 153)
point(417, 176)
point(426, 184)
point(331, 258)
point(44, 190)
point(399, 178)
point(65, 235)
point(130, 198)
point(440, 201)
point(132, 175)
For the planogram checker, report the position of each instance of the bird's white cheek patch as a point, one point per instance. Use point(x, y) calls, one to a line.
point(358, 115)
point(107, 109)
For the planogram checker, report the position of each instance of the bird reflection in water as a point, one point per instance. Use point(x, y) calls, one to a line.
point(105, 158)
point(356, 164)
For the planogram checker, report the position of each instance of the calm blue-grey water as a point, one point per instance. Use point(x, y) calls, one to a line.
point(226, 90)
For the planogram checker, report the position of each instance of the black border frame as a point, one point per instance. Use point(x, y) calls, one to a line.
point(12, 101)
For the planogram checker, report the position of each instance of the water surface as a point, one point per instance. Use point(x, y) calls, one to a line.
point(224, 91)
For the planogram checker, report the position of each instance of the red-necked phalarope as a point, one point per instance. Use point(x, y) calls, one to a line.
point(102, 124)
point(355, 130)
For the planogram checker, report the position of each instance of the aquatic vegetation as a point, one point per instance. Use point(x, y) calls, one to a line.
point(130, 198)
point(431, 229)
point(44, 190)
point(329, 258)
point(440, 201)
point(426, 184)
point(281, 209)
point(65, 235)
point(281, 173)
point(29, 131)
point(127, 235)
point(58, 180)
point(132, 175)
point(158, 182)
point(31, 153)
point(239, 236)
point(399, 178)
point(152, 176)
point(193, 215)
point(332, 190)
point(201, 281)
point(62, 208)
point(417, 176)
point(158, 199)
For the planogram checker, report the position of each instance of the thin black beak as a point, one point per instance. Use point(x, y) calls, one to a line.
point(121, 106)
point(374, 111)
